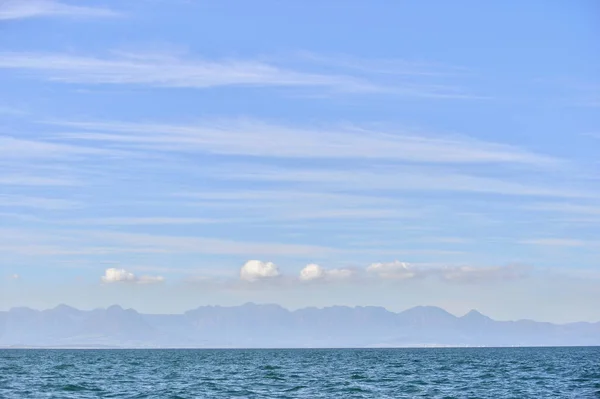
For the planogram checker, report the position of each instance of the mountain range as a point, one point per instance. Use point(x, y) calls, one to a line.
point(272, 326)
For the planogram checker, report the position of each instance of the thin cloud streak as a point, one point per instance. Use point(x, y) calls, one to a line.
point(166, 70)
point(382, 66)
point(566, 208)
point(287, 205)
point(19, 149)
point(457, 274)
point(31, 180)
point(397, 179)
point(23, 9)
point(170, 71)
point(255, 138)
point(556, 242)
point(65, 242)
point(146, 221)
point(53, 204)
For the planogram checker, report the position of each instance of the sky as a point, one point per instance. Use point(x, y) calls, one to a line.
point(164, 155)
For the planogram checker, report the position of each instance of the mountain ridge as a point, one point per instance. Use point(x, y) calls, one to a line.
point(254, 325)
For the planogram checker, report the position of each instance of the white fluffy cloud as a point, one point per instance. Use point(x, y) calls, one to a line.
point(314, 272)
point(114, 275)
point(400, 270)
point(255, 270)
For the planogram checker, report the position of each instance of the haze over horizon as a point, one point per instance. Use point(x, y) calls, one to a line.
point(351, 153)
point(63, 306)
point(272, 326)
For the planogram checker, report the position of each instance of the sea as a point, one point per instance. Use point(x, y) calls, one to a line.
point(566, 372)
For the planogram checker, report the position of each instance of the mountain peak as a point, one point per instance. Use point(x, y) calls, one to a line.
point(269, 325)
point(114, 308)
point(474, 313)
point(64, 309)
point(23, 310)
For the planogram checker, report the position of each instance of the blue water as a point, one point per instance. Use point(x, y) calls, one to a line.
point(302, 373)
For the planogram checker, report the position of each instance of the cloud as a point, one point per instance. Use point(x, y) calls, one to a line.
point(21, 9)
point(260, 139)
point(459, 274)
point(150, 279)
point(314, 272)
point(396, 270)
point(556, 242)
point(146, 221)
point(30, 242)
point(171, 71)
point(254, 270)
point(382, 66)
point(54, 204)
point(35, 150)
point(14, 276)
point(261, 206)
point(565, 208)
point(400, 178)
point(184, 244)
point(468, 274)
point(31, 180)
point(113, 275)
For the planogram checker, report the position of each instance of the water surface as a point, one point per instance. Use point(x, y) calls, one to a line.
point(302, 373)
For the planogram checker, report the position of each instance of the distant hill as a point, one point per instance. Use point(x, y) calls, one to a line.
point(269, 326)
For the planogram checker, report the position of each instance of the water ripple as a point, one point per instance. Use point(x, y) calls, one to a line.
point(319, 373)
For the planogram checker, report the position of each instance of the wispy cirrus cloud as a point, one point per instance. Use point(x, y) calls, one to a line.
point(175, 71)
point(399, 178)
point(260, 139)
point(102, 242)
point(21, 9)
point(568, 208)
point(22, 179)
point(146, 221)
point(171, 71)
point(381, 66)
point(12, 148)
point(19, 201)
point(558, 242)
point(260, 206)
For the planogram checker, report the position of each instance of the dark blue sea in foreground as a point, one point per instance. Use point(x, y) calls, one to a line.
point(302, 373)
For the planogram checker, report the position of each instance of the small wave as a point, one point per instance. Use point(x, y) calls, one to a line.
point(270, 367)
point(73, 388)
point(64, 366)
point(296, 388)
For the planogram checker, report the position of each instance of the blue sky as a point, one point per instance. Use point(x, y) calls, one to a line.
point(417, 152)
